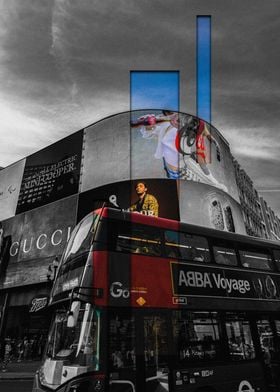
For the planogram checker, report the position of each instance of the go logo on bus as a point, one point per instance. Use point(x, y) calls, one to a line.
point(245, 386)
point(117, 290)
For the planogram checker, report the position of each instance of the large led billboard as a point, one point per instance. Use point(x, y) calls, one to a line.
point(51, 173)
point(205, 205)
point(175, 145)
point(156, 144)
point(161, 198)
point(10, 181)
point(106, 152)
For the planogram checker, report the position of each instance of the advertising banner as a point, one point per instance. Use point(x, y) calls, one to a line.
point(157, 144)
point(206, 281)
point(175, 145)
point(160, 198)
point(205, 205)
point(10, 181)
point(107, 152)
point(36, 238)
point(52, 173)
point(164, 283)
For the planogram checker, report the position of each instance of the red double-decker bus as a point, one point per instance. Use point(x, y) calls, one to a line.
point(149, 305)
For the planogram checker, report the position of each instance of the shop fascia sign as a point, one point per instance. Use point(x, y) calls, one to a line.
point(40, 242)
point(38, 303)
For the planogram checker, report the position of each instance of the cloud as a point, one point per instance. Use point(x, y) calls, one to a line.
point(66, 64)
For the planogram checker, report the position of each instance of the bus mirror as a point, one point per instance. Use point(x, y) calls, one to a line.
point(73, 314)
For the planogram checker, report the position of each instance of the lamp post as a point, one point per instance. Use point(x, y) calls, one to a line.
point(52, 269)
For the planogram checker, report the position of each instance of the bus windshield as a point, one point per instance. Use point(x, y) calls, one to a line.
point(81, 238)
point(74, 349)
point(75, 256)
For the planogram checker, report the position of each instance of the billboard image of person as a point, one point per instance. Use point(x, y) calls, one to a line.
point(155, 143)
point(146, 204)
point(170, 129)
point(155, 197)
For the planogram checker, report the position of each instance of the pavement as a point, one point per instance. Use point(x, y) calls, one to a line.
point(20, 370)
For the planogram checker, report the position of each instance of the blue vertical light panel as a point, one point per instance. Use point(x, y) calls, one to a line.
point(154, 90)
point(203, 70)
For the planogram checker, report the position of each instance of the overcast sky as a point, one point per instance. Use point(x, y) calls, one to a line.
point(66, 64)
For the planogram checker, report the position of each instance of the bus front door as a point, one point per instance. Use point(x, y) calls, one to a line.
point(155, 352)
point(138, 352)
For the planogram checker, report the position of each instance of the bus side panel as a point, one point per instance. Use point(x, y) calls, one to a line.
point(151, 284)
point(100, 276)
point(238, 377)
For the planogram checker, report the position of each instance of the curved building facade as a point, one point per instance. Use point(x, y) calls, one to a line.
point(190, 176)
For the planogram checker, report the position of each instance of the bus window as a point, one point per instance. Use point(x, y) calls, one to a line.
point(256, 259)
point(277, 340)
point(155, 348)
point(76, 346)
point(138, 239)
point(239, 337)
point(276, 254)
point(122, 342)
point(225, 255)
point(266, 340)
point(196, 336)
point(186, 246)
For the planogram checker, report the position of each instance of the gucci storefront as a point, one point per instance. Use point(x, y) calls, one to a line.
point(35, 240)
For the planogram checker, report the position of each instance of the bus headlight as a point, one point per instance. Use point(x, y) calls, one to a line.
point(98, 386)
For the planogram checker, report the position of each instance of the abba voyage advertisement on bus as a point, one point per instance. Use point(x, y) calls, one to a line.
point(35, 238)
point(206, 281)
point(52, 173)
point(177, 283)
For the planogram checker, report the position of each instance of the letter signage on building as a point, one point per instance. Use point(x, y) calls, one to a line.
point(52, 173)
point(36, 238)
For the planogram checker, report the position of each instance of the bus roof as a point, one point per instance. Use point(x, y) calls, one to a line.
point(170, 224)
